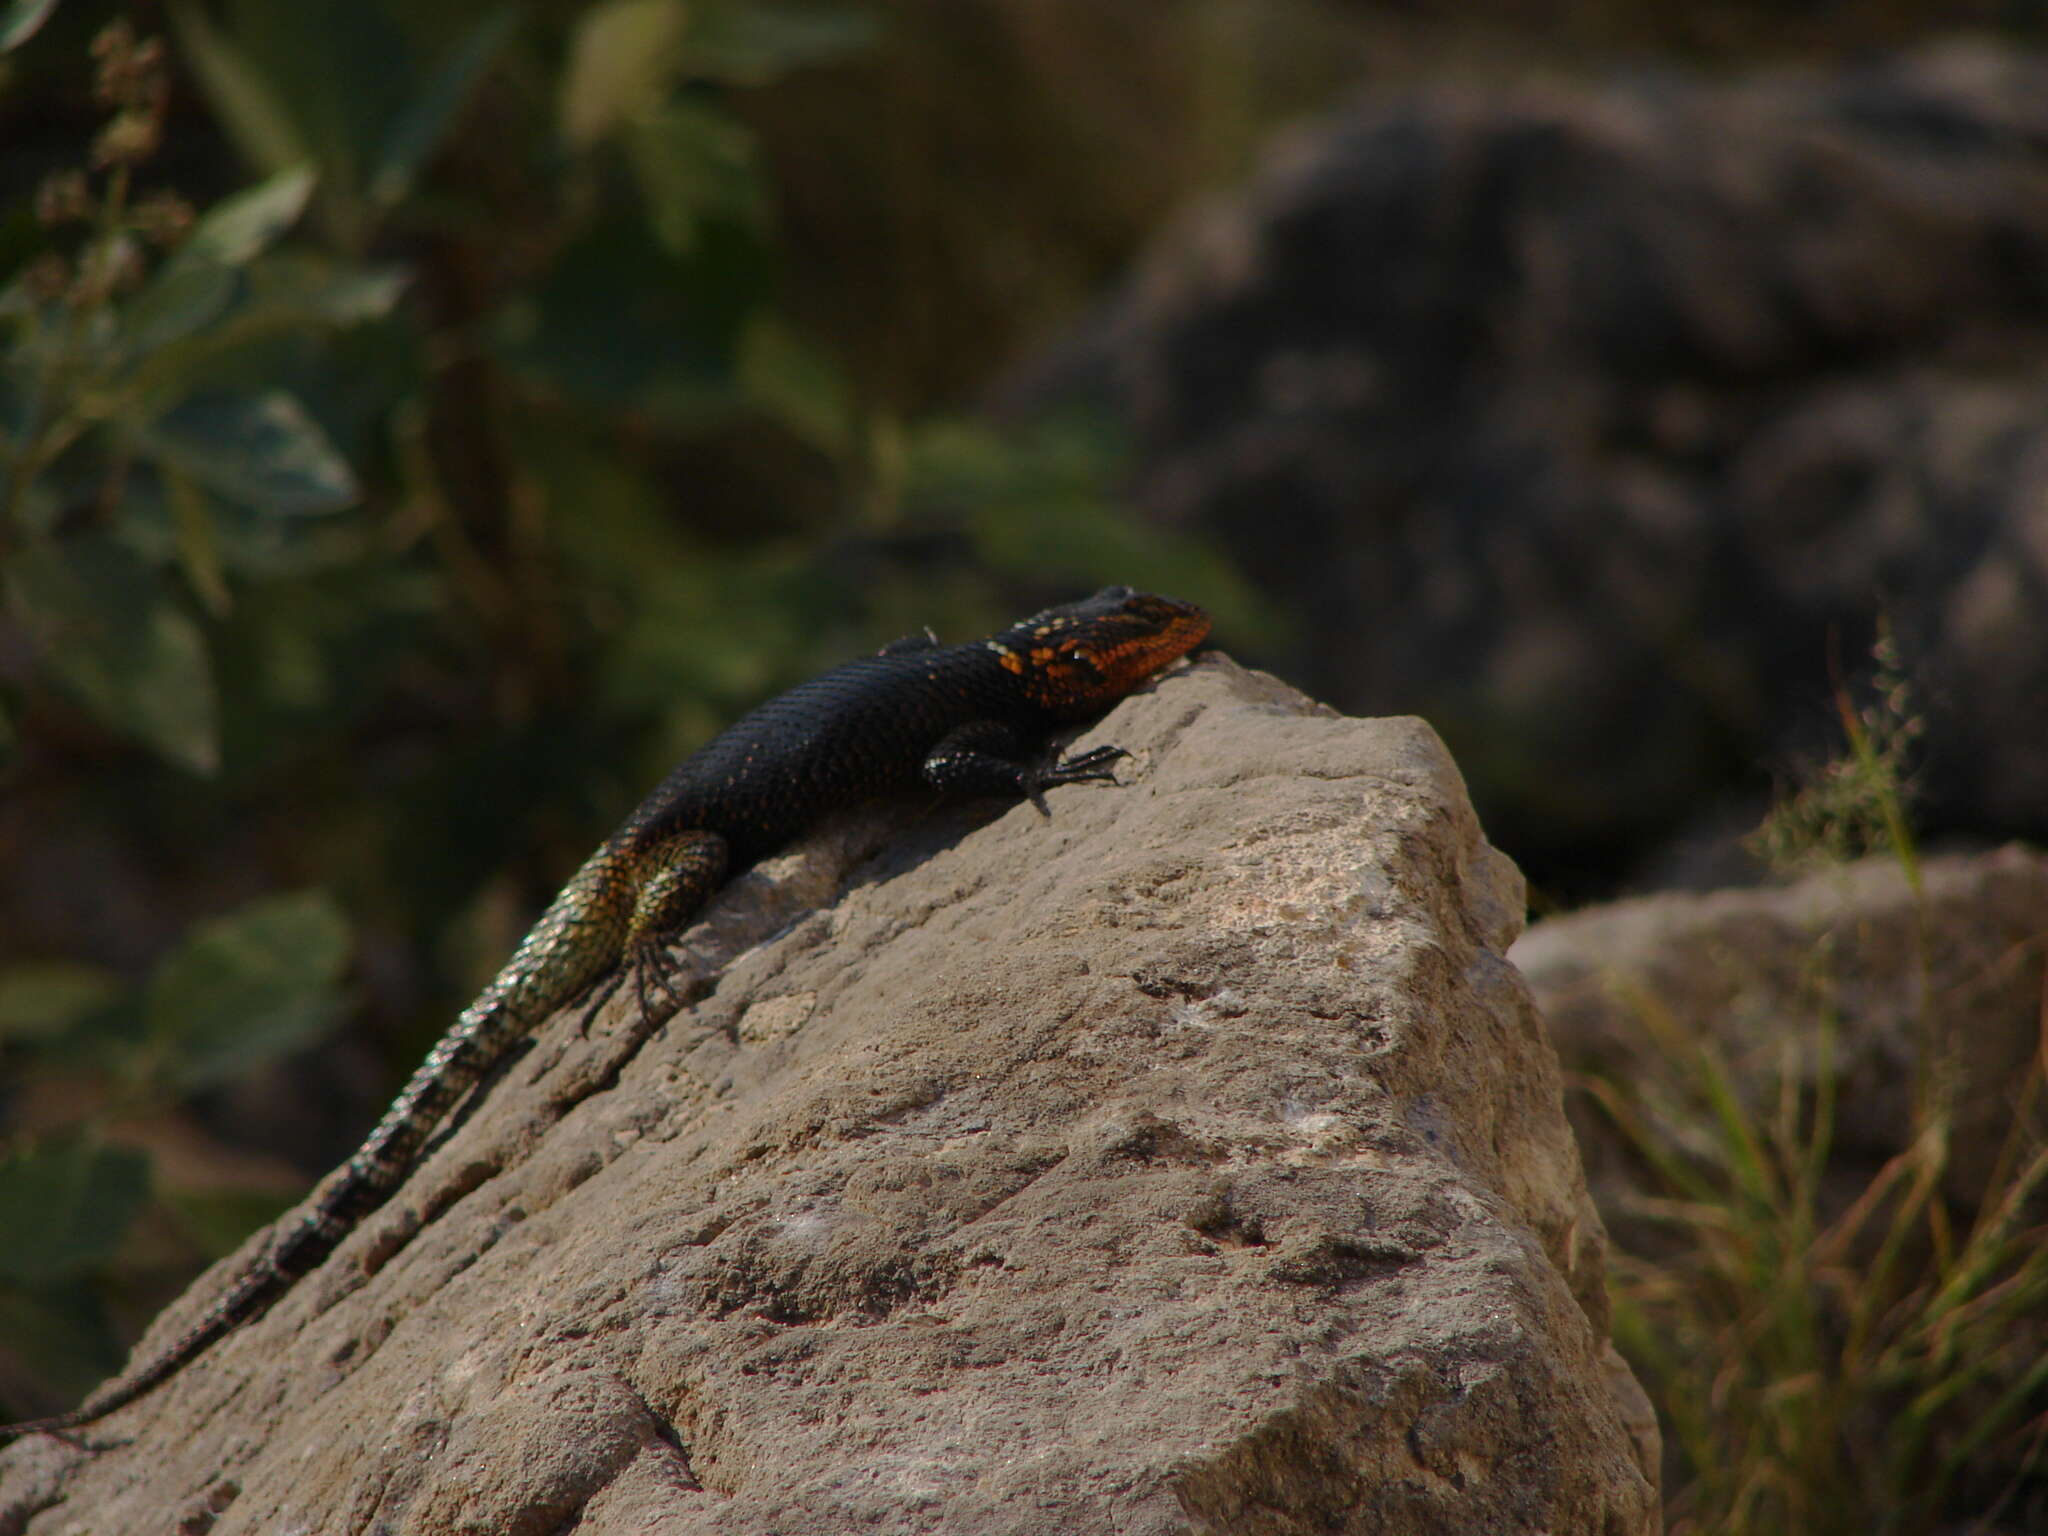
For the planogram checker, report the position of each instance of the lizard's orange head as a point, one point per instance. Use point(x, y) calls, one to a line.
point(1080, 658)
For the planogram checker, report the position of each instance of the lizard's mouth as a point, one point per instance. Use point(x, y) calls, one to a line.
point(1169, 630)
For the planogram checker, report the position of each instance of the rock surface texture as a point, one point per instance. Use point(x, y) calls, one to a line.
point(1957, 977)
point(1191, 1162)
point(1614, 413)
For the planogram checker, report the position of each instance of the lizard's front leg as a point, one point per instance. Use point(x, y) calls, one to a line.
point(673, 875)
point(990, 758)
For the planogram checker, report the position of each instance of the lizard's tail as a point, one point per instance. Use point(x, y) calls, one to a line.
point(257, 1288)
point(358, 1187)
point(575, 942)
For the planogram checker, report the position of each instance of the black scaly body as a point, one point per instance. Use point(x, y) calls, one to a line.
point(965, 719)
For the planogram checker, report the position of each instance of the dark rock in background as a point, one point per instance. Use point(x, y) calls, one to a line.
point(1601, 424)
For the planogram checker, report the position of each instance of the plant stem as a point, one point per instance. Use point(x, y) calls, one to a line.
point(48, 433)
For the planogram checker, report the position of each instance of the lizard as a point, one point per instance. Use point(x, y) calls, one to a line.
point(965, 720)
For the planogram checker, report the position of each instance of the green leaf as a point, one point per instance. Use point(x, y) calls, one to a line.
point(248, 988)
point(198, 540)
point(261, 450)
point(22, 20)
point(42, 999)
point(755, 43)
point(236, 230)
point(262, 127)
point(416, 131)
point(694, 163)
point(198, 287)
point(108, 631)
point(620, 62)
point(65, 1205)
point(289, 289)
point(182, 298)
point(285, 293)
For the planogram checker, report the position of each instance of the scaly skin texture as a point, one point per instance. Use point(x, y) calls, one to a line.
point(964, 719)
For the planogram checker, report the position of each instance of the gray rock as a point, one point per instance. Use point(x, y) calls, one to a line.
point(1191, 1162)
point(1592, 421)
point(1956, 980)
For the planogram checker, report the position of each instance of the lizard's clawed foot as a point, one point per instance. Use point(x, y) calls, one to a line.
point(651, 964)
point(601, 994)
point(1095, 764)
point(1092, 764)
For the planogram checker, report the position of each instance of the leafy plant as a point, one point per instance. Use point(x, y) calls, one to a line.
point(125, 432)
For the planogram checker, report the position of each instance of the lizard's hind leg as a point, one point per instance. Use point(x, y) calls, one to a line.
point(681, 871)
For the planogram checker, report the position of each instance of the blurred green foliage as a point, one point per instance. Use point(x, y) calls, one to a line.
point(408, 452)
